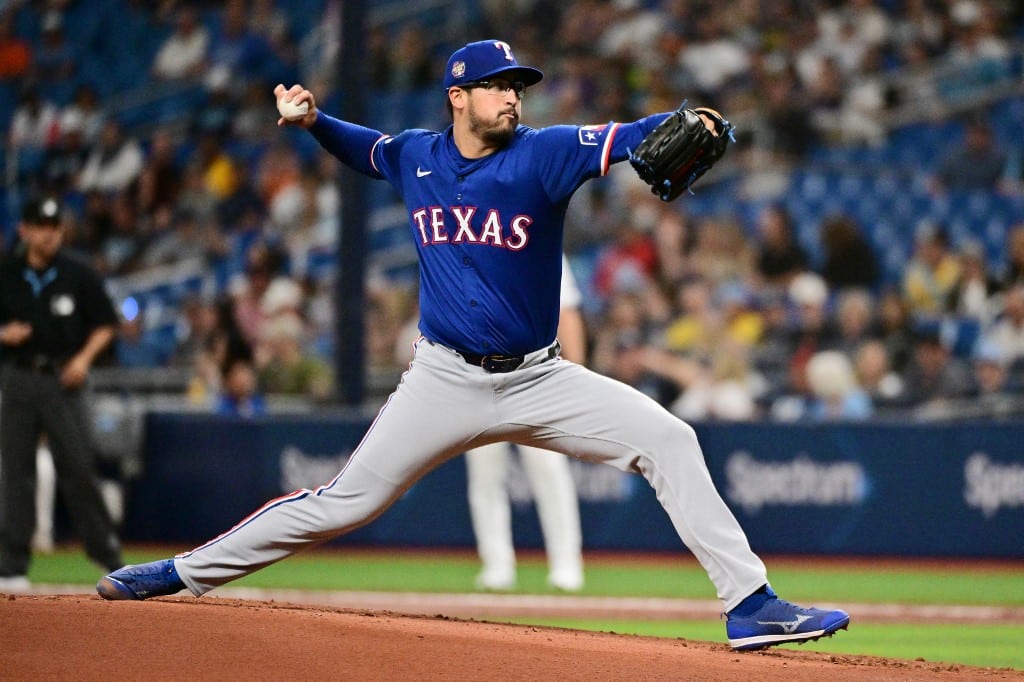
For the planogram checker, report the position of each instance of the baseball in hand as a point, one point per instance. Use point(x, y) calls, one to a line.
point(290, 111)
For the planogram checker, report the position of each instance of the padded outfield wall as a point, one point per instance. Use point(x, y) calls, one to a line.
point(864, 489)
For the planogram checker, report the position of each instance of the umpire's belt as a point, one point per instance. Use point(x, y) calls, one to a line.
point(500, 364)
point(37, 363)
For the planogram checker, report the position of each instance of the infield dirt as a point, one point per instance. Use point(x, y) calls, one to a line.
point(85, 638)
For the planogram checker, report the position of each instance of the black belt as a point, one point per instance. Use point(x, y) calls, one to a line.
point(495, 364)
point(500, 364)
point(37, 363)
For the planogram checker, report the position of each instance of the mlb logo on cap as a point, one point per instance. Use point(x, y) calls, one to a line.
point(42, 211)
point(485, 59)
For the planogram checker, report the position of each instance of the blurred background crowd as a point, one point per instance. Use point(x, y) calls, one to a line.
point(859, 254)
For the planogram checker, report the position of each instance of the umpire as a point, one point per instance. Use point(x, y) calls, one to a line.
point(55, 319)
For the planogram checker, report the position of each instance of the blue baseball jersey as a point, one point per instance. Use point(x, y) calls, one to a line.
point(488, 231)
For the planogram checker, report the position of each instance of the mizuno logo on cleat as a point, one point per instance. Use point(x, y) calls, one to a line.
point(420, 173)
point(788, 626)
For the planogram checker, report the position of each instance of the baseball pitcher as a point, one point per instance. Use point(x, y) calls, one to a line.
point(486, 200)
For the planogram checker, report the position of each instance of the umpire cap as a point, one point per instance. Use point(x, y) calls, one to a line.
point(44, 210)
point(484, 59)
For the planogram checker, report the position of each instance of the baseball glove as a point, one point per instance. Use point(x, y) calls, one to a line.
point(680, 150)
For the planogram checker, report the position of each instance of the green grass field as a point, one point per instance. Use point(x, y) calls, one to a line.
point(912, 583)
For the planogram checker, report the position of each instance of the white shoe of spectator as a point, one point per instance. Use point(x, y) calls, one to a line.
point(15, 584)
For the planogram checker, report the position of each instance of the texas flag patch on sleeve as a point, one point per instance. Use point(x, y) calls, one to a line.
point(602, 136)
point(591, 135)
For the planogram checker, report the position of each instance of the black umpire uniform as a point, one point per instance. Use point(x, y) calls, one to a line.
point(55, 318)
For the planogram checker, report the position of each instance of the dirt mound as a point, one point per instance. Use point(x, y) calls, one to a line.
point(85, 638)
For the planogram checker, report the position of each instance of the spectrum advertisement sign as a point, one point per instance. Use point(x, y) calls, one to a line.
point(864, 489)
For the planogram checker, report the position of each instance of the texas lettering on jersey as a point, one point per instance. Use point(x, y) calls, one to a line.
point(488, 231)
point(433, 228)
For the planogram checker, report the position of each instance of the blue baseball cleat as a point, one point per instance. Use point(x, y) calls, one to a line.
point(155, 579)
point(778, 621)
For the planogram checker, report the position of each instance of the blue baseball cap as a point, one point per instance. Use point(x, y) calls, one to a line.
point(484, 59)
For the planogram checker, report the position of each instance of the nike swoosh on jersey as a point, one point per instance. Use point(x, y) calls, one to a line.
point(420, 173)
point(788, 626)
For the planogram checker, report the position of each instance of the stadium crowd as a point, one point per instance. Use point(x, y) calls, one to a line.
point(716, 316)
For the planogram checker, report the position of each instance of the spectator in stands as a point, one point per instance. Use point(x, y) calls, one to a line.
point(934, 376)
point(136, 347)
point(160, 177)
point(183, 54)
point(932, 272)
point(219, 169)
point(63, 162)
point(55, 60)
point(920, 23)
point(409, 62)
point(895, 328)
point(630, 30)
point(919, 88)
point(849, 260)
point(977, 48)
point(1006, 333)
point(263, 265)
point(212, 340)
point(239, 395)
point(176, 238)
point(709, 319)
point(197, 325)
point(253, 122)
point(695, 329)
point(723, 387)
point(240, 212)
point(310, 229)
point(855, 320)
point(976, 163)
point(812, 328)
point(1013, 272)
point(836, 395)
point(272, 23)
point(867, 96)
point(285, 368)
point(320, 50)
point(195, 197)
point(809, 331)
point(632, 360)
point(874, 374)
point(114, 162)
point(278, 182)
point(236, 54)
point(771, 354)
point(623, 339)
point(780, 257)
point(972, 296)
point(825, 97)
point(722, 254)
point(631, 256)
point(121, 247)
point(84, 112)
point(995, 397)
point(715, 56)
point(15, 51)
point(35, 123)
point(791, 134)
point(674, 241)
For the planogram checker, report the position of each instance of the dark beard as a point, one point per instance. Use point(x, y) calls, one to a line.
point(495, 134)
point(499, 137)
